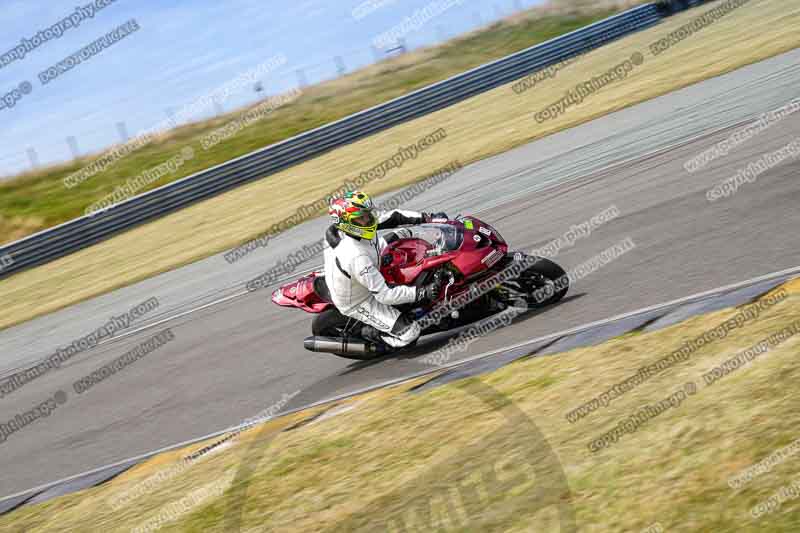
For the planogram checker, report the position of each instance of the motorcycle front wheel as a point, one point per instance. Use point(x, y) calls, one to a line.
point(543, 283)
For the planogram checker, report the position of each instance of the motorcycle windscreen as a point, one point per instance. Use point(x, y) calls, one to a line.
point(443, 237)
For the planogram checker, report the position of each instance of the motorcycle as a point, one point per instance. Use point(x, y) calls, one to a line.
point(468, 257)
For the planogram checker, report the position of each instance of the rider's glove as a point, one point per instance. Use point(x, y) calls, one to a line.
point(429, 292)
point(434, 217)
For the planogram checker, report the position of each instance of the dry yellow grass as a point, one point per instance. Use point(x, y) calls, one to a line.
point(477, 128)
point(394, 452)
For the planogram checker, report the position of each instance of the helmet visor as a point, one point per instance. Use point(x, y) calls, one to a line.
point(365, 219)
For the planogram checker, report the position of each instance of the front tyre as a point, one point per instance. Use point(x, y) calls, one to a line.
point(541, 284)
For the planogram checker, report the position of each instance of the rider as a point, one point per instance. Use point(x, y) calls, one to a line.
point(352, 271)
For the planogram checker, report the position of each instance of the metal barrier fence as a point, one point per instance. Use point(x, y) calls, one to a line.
point(87, 230)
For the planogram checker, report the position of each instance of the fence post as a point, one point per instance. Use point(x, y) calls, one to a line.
point(33, 157)
point(123, 132)
point(340, 66)
point(218, 109)
point(302, 81)
point(170, 112)
point(73, 147)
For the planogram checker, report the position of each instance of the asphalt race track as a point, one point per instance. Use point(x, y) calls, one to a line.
point(232, 359)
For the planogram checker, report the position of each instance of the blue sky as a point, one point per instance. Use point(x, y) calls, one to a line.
point(182, 51)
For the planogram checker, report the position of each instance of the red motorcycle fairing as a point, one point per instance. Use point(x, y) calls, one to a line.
point(301, 294)
point(474, 249)
point(404, 260)
point(480, 248)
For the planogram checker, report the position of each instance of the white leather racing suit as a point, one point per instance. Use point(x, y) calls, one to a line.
point(358, 289)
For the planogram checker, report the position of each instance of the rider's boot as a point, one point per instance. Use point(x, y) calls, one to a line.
point(373, 335)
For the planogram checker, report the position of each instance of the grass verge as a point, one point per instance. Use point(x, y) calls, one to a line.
point(459, 459)
point(755, 31)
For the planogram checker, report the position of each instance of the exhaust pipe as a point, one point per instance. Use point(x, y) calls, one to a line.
point(356, 348)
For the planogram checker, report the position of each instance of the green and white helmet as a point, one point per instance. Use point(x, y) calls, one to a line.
point(354, 214)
